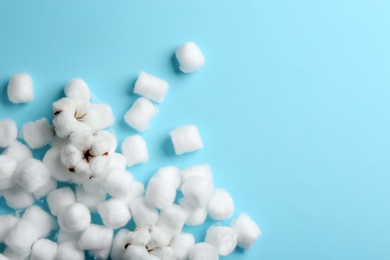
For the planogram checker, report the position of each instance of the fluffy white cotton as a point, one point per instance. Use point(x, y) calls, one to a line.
point(22, 236)
point(159, 193)
point(140, 114)
point(77, 89)
point(20, 88)
point(52, 160)
point(140, 236)
point(90, 199)
point(32, 175)
point(104, 143)
point(74, 218)
point(63, 236)
point(58, 141)
point(19, 151)
point(3, 257)
point(99, 116)
point(18, 198)
point(196, 216)
point(186, 139)
point(95, 237)
point(99, 165)
point(135, 150)
point(114, 213)
point(64, 105)
point(223, 239)
point(159, 238)
point(8, 166)
point(118, 182)
point(101, 253)
point(43, 191)
point(37, 133)
point(198, 191)
point(190, 57)
point(69, 250)
point(65, 123)
point(41, 219)
point(221, 205)
point(202, 170)
point(71, 155)
point(201, 251)
point(7, 222)
point(151, 87)
point(136, 252)
point(8, 132)
point(82, 136)
point(164, 253)
point(143, 213)
point(171, 175)
point(44, 249)
point(118, 244)
point(181, 245)
point(118, 160)
point(59, 199)
point(247, 231)
point(12, 255)
point(172, 219)
point(137, 190)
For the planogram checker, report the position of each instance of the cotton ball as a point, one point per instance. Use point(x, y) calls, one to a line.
point(118, 160)
point(41, 219)
point(65, 123)
point(77, 89)
point(247, 230)
point(223, 239)
point(196, 216)
point(19, 151)
point(22, 236)
point(100, 165)
point(7, 222)
point(117, 248)
point(20, 88)
point(59, 199)
point(82, 136)
point(99, 116)
point(38, 133)
point(64, 105)
point(190, 57)
point(71, 155)
point(58, 141)
point(158, 238)
point(44, 249)
point(69, 250)
point(101, 253)
point(114, 213)
point(160, 194)
point(162, 253)
point(95, 237)
point(135, 150)
point(170, 174)
point(143, 213)
point(9, 254)
point(43, 191)
point(198, 191)
point(82, 170)
point(181, 245)
point(52, 160)
point(221, 205)
point(118, 182)
point(202, 170)
point(74, 218)
point(136, 252)
point(33, 175)
point(201, 251)
point(172, 219)
point(8, 132)
point(140, 114)
point(104, 143)
point(18, 198)
point(8, 166)
point(63, 236)
point(140, 236)
point(186, 139)
point(151, 87)
point(90, 199)
point(137, 190)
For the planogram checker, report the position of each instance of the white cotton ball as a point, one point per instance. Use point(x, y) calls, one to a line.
point(137, 190)
point(74, 218)
point(190, 57)
point(223, 239)
point(186, 139)
point(82, 136)
point(104, 143)
point(43, 191)
point(160, 194)
point(201, 251)
point(158, 238)
point(100, 165)
point(64, 105)
point(143, 213)
point(22, 236)
point(69, 250)
point(65, 123)
point(58, 141)
point(7, 183)
point(140, 236)
point(162, 253)
point(118, 182)
point(20, 88)
point(221, 205)
point(172, 219)
point(90, 199)
point(63, 236)
point(44, 249)
point(7, 222)
point(140, 114)
point(83, 172)
point(8, 166)
point(170, 174)
point(38, 133)
point(71, 155)
point(151, 87)
point(198, 191)
point(135, 150)
point(52, 160)
point(77, 89)
point(202, 170)
point(18, 198)
point(118, 160)
point(181, 245)
point(32, 175)
point(118, 244)
point(196, 216)
point(8, 132)
point(99, 116)
point(247, 231)
point(95, 237)
point(136, 252)
point(19, 151)
point(59, 199)
point(12, 255)
point(101, 254)
point(114, 213)
point(41, 219)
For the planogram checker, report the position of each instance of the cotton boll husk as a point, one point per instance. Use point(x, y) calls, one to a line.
point(99, 116)
point(190, 57)
point(136, 252)
point(65, 123)
point(181, 245)
point(77, 89)
point(63, 236)
point(202, 170)
point(38, 133)
point(118, 160)
point(90, 199)
point(33, 175)
point(118, 244)
point(103, 143)
point(22, 236)
point(59, 199)
point(140, 114)
point(114, 213)
point(151, 87)
point(64, 105)
point(172, 219)
point(7, 222)
point(247, 231)
point(51, 185)
point(221, 205)
point(74, 218)
point(44, 249)
point(20, 88)
point(19, 151)
point(196, 216)
point(8, 132)
point(164, 253)
point(143, 213)
point(118, 182)
point(170, 174)
point(201, 251)
point(160, 194)
point(12, 255)
point(69, 250)
point(18, 198)
point(95, 237)
point(159, 238)
point(135, 150)
point(186, 139)
point(40, 219)
point(223, 239)
point(198, 191)
point(82, 136)
point(52, 160)
point(71, 155)
point(93, 185)
point(137, 190)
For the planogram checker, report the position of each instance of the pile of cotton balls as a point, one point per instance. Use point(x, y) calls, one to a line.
point(83, 151)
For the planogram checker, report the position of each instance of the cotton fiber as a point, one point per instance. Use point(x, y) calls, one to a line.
point(52, 160)
point(151, 87)
point(90, 199)
point(99, 165)
point(118, 182)
point(186, 139)
point(33, 175)
point(136, 252)
point(198, 191)
point(71, 155)
point(7, 222)
point(69, 250)
point(137, 190)
point(135, 150)
point(82, 136)
point(74, 218)
point(221, 205)
point(143, 213)
point(181, 245)
point(8, 132)
point(40, 219)
point(140, 114)
point(159, 193)
point(247, 231)
point(63, 236)
point(95, 237)
point(64, 123)
point(170, 174)
point(159, 238)
point(190, 57)
point(201, 251)
point(101, 253)
point(19, 151)
point(44, 249)
point(77, 89)
point(114, 213)
point(22, 236)
point(140, 236)
point(20, 88)
point(51, 185)
point(172, 219)
point(38, 133)
point(99, 116)
point(104, 143)
point(12, 255)
point(118, 244)
point(202, 170)
point(162, 253)
point(118, 160)
point(3, 257)
point(223, 239)
point(196, 216)
point(18, 198)
point(59, 199)
point(7, 169)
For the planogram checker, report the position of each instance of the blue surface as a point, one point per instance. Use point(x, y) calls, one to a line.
point(293, 104)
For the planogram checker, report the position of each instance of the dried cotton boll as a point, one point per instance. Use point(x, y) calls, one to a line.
point(181, 245)
point(33, 175)
point(198, 191)
point(82, 136)
point(137, 190)
point(41, 219)
point(196, 216)
point(100, 165)
point(170, 174)
point(52, 160)
point(223, 239)
point(63, 236)
point(135, 150)
point(7, 222)
point(160, 194)
point(77, 89)
point(247, 231)
point(83, 172)
point(140, 114)
point(8, 132)
point(38, 133)
point(186, 139)
point(118, 182)
point(90, 199)
point(42, 192)
point(114, 213)
point(65, 123)
point(104, 143)
point(71, 155)
point(118, 160)
point(59, 199)
point(118, 244)
point(151, 87)
point(221, 205)
point(20, 88)
point(44, 249)
point(190, 57)
point(172, 219)
point(69, 250)
point(202, 170)
point(19, 151)
point(159, 238)
point(95, 237)
point(201, 251)
point(18, 198)
point(143, 213)
point(22, 236)
point(99, 116)
point(74, 218)
point(64, 105)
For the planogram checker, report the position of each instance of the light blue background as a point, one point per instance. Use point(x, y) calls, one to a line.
point(293, 104)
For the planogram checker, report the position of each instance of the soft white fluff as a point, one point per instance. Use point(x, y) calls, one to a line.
point(247, 230)
point(136, 252)
point(12, 255)
point(202, 251)
point(59, 199)
point(99, 116)
point(18, 198)
point(140, 236)
point(221, 205)
point(43, 191)
point(118, 182)
point(198, 191)
point(101, 254)
point(8, 132)
point(118, 244)
point(19, 151)
point(64, 105)
point(170, 174)
point(90, 199)
point(3, 257)
point(202, 170)
point(135, 150)
point(77, 89)
point(140, 114)
point(8, 166)
point(82, 136)
point(99, 165)
point(186, 139)
point(172, 219)
point(223, 239)
point(114, 213)
point(74, 218)
point(44, 249)
point(181, 245)
point(143, 213)
point(65, 123)
point(7, 222)
point(41, 219)
point(37, 133)
point(196, 216)
point(118, 160)
point(151, 87)
point(52, 160)
point(104, 143)
point(137, 190)
point(32, 175)
point(159, 238)
point(159, 193)
point(95, 237)
point(162, 253)
point(63, 236)
point(190, 57)
point(22, 236)
point(71, 155)
point(20, 88)
point(69, 250)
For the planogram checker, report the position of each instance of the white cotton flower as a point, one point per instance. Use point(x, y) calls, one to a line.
point(82, 136)
point(99, 116)
point(71, 155)
point(104, 143)
point(118, 244)
point(77, 89)
point(64, 105)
